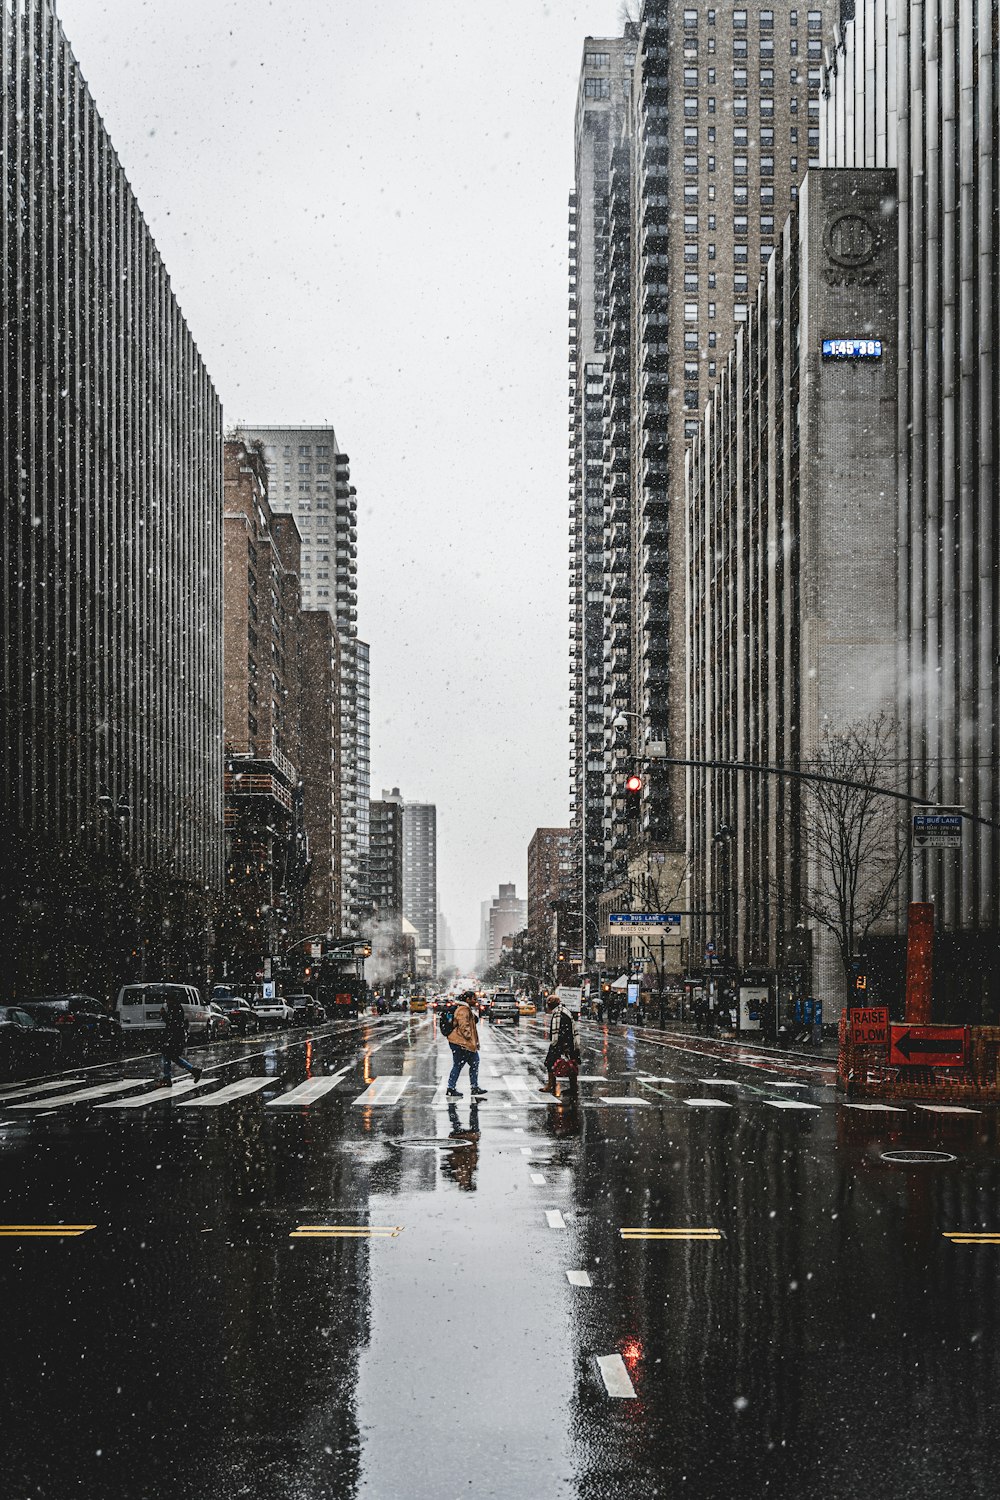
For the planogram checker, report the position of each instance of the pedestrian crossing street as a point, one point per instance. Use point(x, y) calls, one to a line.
point(507, 1091)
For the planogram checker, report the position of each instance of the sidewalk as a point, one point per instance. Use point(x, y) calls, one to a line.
point(827, 1049)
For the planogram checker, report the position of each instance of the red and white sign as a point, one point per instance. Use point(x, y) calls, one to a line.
point(870, 1026)
point(928, 1046)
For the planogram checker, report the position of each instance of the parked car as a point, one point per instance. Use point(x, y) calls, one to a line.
point(25, 1046)
point(140, 1007)
point(241, 1014)
point(219, 1023)
point(273, 1012)
point(80, 1019)
point(504, 1007)
point(306, 1011)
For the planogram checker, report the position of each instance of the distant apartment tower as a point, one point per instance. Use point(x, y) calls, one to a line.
point(385, 857)
point(420, 901)
point(320, 699)
point(601, 102)
point(551, 891)
point(266, 844)
point(310, 477)
point(508, 916)
point(111, 547)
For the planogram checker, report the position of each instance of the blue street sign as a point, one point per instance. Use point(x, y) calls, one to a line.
point(644, 919)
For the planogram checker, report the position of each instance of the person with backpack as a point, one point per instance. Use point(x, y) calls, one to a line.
point(458, 1025)
point(175, 1039)
point(563, 1056)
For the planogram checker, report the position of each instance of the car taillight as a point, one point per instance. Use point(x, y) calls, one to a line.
point(63, 1016)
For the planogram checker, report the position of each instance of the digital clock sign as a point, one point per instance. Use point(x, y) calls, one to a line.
point(852, 348)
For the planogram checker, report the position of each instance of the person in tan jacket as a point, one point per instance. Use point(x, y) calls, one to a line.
point(463, 1040)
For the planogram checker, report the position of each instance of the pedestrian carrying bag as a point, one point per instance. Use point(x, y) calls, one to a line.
point(447, 1022)
point(566, 1067)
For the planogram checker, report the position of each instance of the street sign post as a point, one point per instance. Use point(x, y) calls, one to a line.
point(928, 1046)
point(870, 1026)
point(936, 827)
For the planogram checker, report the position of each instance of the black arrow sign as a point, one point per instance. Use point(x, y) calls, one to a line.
point(909, 1044)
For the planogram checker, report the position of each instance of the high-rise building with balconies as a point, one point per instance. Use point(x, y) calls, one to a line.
point(311, 477)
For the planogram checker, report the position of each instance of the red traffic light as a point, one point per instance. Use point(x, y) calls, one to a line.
point(633, 784)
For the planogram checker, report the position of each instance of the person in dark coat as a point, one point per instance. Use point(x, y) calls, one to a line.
point(562, 1043)
point(174, 1041)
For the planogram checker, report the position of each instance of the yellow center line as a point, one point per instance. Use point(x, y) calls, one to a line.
point(670, 1234)
point(345, 1231)
point(44, 1231)
point(971, 1237)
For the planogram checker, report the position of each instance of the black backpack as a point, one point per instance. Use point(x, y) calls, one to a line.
point(447, 1021)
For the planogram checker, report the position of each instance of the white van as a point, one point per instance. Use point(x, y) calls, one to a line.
point(139, 1007)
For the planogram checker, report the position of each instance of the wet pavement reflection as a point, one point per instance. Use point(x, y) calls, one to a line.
point(707, 1276)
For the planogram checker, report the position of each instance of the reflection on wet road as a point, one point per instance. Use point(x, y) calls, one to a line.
point(311, 1275)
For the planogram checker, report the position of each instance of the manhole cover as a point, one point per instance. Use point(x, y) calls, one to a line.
point(915, 1158)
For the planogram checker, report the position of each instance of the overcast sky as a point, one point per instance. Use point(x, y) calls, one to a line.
point(362, 209)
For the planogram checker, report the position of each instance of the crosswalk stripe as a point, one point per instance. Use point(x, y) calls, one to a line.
point(948, 1109)
point(231, 1091)
point(873, 1109)
point(789, 1104)
point(617, 1381)
point(579, 1278)
point(38, 1088)
point(623, 1099)
point(159, 1095)
point(306, 1093)
point(80, 1096)
point(387, 1090)
point(554, 1219)
point(708, 1103)
point(725, 1083)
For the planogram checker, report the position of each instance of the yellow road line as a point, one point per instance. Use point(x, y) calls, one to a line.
point(346, 1231)
point(670, 1234)
point(44, 1231)
point(970, 1237)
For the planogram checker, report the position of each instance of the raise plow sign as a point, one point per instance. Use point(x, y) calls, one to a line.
point(870, 1026)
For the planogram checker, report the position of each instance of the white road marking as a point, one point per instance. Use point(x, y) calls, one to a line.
point(881, 1109)
point(708, 1103)
point(387, 1090)
point(160, 1096)
point(789, 1104)
point(617, 1381)
point(231, 1091)
point(578, 1278)
point(603, 1078)
point(517, 1083)
point(725, 1083)
point(554, 1219)
point(96, 1091)
point(648, 1078)
point(306, 1093)
point(937, 1109)
point(623, 1099)
point(773, 1085)
point(39, 1088)
point(525, 1150)
point(538, 1178)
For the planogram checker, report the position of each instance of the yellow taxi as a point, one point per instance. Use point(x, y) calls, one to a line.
point(418, 1005)
point(528, 1008)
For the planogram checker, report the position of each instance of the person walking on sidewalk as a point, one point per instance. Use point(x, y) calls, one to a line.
point(563, 1056)
point(175, 1039)
point(463, 1039)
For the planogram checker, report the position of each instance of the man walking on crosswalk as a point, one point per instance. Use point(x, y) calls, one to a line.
point(463, 1039)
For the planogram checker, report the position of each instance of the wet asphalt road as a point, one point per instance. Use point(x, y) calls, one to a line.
point(365, 1293)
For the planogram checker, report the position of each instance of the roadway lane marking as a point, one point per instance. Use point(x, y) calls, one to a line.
point(39, 1088)
point(231, 1091)
point(971, 1237)
point(44, 1231)
point(789, 1104)
point(160, 1095)
point(538, 1178)
point(799, 1085)
point(306, 1093)
point(554, 1219)
point(578, 1278)
point(96, 1091)
point(623, 1099)
point(881, 1109)
point(603, 1078)
point(708, 1103)
point(721, 1083)
point(346, 1232)
point(931, 1109)
point(617, 1381)
point(386, 1090)
point(670, 1234)
point(525, 1150)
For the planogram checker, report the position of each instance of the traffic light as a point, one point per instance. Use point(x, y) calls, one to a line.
point(633, 795)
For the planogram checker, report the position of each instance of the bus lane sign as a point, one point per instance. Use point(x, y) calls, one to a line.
point(870, 1026)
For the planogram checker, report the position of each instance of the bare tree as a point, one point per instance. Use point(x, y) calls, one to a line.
point(628, 13)
point(854, 840)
